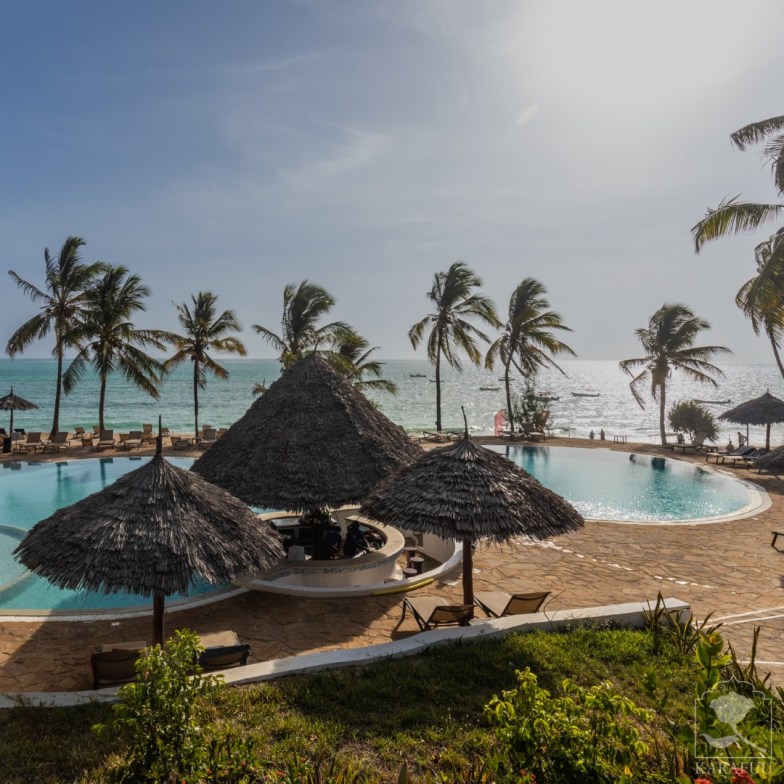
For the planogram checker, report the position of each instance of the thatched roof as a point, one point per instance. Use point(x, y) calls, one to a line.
point(150, 532)
point(762, 410)
point(13, 402)
point(311, 439)
point(465, 490)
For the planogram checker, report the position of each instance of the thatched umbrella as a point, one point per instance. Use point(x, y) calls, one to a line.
point(13, 403)
point(152, 532)
point(467, 492)
point(763, 410)
point(311, 440)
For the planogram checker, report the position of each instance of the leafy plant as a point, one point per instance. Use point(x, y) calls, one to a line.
point(693, 418)
point(588, 735)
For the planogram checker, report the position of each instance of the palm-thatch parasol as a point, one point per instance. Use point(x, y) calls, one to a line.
point(467, 492)
point(763, 410)
point(13, 403)
point(310, 440)
point(152, 532)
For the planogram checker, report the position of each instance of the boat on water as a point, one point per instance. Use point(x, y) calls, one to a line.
point(490, 389)
point(712, 402)
point(586, 394)
point(545, 398)
point(417, 375)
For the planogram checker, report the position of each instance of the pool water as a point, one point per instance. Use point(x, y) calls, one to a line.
point(30, 492)
point(620, 486)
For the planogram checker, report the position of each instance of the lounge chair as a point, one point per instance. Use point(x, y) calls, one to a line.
point(747, 460)
point(739, 452)
point(79, 432)
point(431, 611)
point(499, 603)
point(58, 441)
point(222, 650)
point(134, 440)
point(33, 443)
point(148, 437)
point(531, 433)
point(208, 437)
point(182, 442)
point(106, 440)
point(114, 666)
point(697, 443)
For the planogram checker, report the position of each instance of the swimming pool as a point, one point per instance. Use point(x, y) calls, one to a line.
point(30, 492)
point(630, 487)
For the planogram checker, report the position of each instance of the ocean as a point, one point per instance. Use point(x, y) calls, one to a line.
point(223, 402)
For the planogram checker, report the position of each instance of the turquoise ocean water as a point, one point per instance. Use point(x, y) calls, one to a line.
point(223, 402)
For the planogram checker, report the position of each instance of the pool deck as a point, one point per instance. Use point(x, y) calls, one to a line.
point(726, 568)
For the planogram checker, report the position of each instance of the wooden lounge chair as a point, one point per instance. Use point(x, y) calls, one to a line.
point(106, 441)
point(739, 452)
point(222, 650)
point(208, 437)
point(33, 442)
point(182, 442)
point(747, 460)
point(697, 443)
point(531, 433)
point(134, 440)
point(496, 604)
point(114, 666)
point(431, 612)
point(148, 437)
point(58, 441)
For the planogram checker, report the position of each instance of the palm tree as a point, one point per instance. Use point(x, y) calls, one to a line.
point(303, 306)
point(352, 359)
point(66, 282)
point(108, 340)
point(527, 341)
point(762, 297)
point(454, 304)
point(668, 342)
point(203, 332)
point(761, 301)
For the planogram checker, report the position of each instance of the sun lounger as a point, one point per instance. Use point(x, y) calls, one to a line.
point(134, 440)
point(697, 443)
point(58, 441)
point(208, 437)
point(116, 665)
point(148, 437)
point(531, 433)
point(33, 442)
point(435, 437)
point(499, 603)
point(431, 611)
point(222, 650)
point(106, 441)
point(746, 460)
point(183, 443)
point(776, 535)
point(739, 452)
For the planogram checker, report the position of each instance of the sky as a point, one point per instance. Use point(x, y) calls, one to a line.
point(238, 146)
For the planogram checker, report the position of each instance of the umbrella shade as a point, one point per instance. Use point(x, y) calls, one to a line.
point(310, 440)
point(12, 402)
point(151, 532)
point(467, 492)
point(763, 410)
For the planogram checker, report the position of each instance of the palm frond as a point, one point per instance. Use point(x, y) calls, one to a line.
point(732, 217)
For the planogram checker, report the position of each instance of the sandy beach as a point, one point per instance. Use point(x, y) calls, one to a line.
point(726, 568)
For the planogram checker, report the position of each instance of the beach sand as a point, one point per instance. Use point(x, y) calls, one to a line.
point(727, 568)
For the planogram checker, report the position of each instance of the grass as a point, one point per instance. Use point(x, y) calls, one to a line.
point(425, 711)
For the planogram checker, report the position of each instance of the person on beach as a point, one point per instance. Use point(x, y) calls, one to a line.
point(601, 434)
point(741, 439)
point(592, 435)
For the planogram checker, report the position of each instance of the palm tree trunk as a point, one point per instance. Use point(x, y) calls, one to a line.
point(58, 390)
point(196, 398)
point(509, 414)
point(662, 402)
point(438, 391)
point(776, 354)
point(102, 403)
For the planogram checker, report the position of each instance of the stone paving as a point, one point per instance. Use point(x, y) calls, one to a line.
point(728, 569)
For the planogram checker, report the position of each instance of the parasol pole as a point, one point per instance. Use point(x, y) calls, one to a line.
point(157, 619)
point(468, 547)
point(11, 426)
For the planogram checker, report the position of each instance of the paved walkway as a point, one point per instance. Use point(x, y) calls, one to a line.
point(728, 569)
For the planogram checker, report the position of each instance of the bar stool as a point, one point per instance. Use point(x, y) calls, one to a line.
point(416, 562)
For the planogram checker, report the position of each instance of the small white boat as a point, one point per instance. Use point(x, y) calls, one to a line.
point(586, 394)
point(417, 375)
point(490, 389)
point(712, 402)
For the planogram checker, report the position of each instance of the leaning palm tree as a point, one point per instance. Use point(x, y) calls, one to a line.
point(109, 341)
point(761, 301)
point(352, 358)
point(303, 307)
point(668, 342)
point(762, 297)
point(455, 303)
point(66, 282)
point(203, 332)
point(527, 341)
